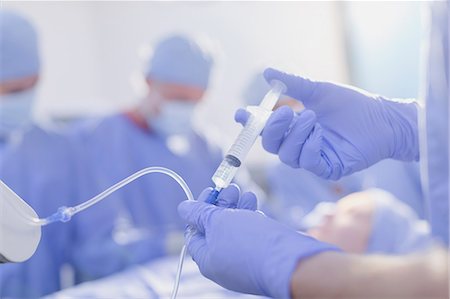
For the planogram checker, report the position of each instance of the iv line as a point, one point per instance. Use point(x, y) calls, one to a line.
point(64, 214)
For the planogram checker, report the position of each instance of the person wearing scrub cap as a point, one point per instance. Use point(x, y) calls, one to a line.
point(177, 76)
point(140, 223)
point(34, 158)
point(19, 73)
point(370, 222)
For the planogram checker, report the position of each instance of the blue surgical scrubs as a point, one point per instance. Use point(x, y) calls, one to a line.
point(435, 147)
point(36, 165)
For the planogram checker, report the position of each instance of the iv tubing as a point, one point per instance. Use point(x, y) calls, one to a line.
point(70, 211)
point(65, 213)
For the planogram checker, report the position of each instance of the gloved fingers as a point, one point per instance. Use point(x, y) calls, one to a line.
point(197, 247)
point(204, 195)
point(196, 213)
point(229, 197)
point(291, 148)
point(297, 87)
point(276, 127)
point(241, 116)
point(312, 158)
point(248, 201)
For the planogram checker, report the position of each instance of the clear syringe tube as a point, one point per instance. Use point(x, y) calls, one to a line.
point(258, 116)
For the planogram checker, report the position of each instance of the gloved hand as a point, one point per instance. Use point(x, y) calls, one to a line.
point(341, 130)
point(243, 250)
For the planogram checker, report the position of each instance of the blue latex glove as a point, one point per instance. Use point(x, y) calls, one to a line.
point(243, 250)
point(341, 130)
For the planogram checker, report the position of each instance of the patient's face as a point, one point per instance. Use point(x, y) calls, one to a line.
point(349, 225)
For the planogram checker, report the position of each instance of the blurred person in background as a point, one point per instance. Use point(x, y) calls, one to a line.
point(34, 158)
point(140, 222)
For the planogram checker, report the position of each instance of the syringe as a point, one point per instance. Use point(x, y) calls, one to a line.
point(258, 116)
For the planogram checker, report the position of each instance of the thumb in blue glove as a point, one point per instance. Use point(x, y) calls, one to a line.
point(243, 250)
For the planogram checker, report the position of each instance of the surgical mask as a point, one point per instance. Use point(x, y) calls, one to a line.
point(16, 111)
point(174, 118)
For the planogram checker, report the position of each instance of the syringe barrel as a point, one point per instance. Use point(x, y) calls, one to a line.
point(224, 174)
point(240, 148)
point(248, 135)
point(271, 98)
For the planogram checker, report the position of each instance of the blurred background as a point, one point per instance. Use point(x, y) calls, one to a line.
point(93, 59)
point(94, 52)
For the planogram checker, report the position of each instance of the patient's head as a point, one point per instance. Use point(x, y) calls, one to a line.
point(348, 224)
point(372, 221)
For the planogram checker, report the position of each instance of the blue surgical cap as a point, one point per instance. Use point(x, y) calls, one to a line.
point(396, 229)
point(19, 57)
point(178, 59)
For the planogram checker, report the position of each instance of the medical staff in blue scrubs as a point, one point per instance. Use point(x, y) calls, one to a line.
point(435, 131)
point(34, 158)
point(140, 223)
point(341, 131)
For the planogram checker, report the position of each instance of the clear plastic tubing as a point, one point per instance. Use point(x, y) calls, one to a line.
point(258, 116)
point(64, 214)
